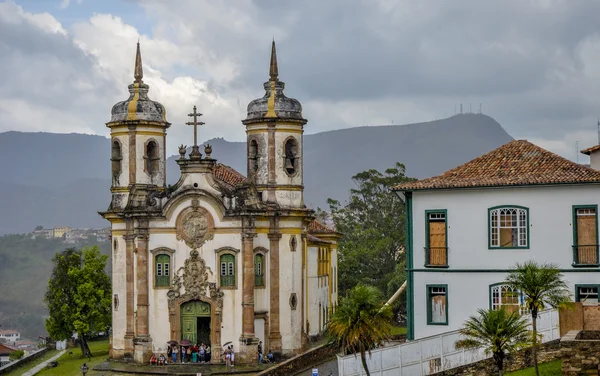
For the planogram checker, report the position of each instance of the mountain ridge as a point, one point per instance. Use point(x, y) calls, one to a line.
point(64, 179)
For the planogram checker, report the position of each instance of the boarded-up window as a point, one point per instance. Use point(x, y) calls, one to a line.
point(508, 228)
point(162, 268)
point(437, 305)
point(507, 298)
point(436, 239)
point(586, 230)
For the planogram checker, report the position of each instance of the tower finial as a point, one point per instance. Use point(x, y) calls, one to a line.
point(138, 73)
point(273, 71)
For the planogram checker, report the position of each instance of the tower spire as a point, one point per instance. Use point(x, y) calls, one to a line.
point(273, 71)
point(138, 73)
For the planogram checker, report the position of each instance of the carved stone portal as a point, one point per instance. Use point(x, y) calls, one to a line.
point(193, 278)
point(195, 225)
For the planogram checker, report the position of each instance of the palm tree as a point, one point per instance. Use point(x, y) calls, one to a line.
point(542, 287)
point(360, 323)
point(499, 332)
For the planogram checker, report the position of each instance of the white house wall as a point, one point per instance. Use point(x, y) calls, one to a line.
point(550, 240)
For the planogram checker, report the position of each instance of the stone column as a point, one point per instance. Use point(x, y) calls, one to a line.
point(142, 342)
point(129, 279)
point(248, 284)
point(248, 350)
point(274, 333)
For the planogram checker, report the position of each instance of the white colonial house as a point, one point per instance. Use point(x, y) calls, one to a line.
point(469, 226)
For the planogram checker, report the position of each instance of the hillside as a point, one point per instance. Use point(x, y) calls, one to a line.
point(25, 268)
point(63, 179)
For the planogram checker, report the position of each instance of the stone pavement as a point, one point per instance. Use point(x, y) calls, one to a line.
point(179, 369)
point(42, 365)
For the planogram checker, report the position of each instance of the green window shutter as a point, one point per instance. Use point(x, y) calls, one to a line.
point(258, 270)
point(227, 262)
point(163, 266)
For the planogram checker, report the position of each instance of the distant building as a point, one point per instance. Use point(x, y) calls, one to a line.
point(469, 226)
point(5, 351)
point(43, 234)
point(59, 232)
point(10, 335)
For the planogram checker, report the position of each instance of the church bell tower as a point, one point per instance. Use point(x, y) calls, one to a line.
point(138, 138)
point(274, 129)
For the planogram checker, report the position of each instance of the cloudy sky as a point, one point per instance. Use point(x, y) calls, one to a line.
point(534, 65)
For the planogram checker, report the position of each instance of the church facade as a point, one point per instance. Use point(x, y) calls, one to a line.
point(219, 257)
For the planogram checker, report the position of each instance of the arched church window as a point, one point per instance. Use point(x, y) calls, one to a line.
point(152, 157)
point(162, 270)
point(227, 262)
point(291, 156)
point(259, 279)
point(116, 157)
point(253, 156)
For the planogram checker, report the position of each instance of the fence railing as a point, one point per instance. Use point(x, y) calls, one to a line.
point(431, 354)
point(585, 255)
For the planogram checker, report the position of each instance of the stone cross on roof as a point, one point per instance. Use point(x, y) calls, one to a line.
point(195, 154)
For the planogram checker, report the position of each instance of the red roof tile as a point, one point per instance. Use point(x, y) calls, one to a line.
point(589, 151)
point(518, 162)
point(316, 227)
point(227, 174)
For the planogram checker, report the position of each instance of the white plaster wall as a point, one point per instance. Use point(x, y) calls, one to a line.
point(595, 160)
point(290, 281)
point(550, 240)
point(118, 281)
point(262, 175)
point(466, 293)
point(142, 176)
point(550, 224)
point(124, 177)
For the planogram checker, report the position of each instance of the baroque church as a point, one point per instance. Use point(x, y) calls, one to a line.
point(218, 258)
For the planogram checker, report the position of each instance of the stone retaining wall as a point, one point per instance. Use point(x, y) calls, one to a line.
point(580, 351)
point(24, 360)
point(521, 359)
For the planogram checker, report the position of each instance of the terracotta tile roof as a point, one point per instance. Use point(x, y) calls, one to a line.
point(589, 151)
point(518, 162)
point(314, 239)
point(316, 227)
point(227, 174)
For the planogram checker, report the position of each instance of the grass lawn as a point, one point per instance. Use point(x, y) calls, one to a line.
point(546, 369)
point(69, 364)
point(24, 368)
point(398, 330)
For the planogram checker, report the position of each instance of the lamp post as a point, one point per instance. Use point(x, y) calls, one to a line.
point(84, 369)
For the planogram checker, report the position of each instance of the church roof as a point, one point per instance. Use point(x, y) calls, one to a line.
point(314, 239)
point(516, 163)
point(227, 174)
point(316, 227)
point(138, 106)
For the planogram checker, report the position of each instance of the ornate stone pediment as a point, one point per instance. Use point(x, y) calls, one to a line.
point(195, 225)
point(193, 277)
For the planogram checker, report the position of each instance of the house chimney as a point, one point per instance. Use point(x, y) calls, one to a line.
point(594, 153)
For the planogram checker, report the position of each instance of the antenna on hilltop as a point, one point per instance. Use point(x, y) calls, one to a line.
point(470, 108)
point(480, 109)
point(461, 108)
point(577, 150)
point(598, 131)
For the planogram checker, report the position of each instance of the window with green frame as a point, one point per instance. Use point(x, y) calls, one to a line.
point(508, 227)
point(259, 280)
point(436, 238)
point(227, 262)
point(162, 269)
point(587, 294)
point(585, 235)
point(437, 304)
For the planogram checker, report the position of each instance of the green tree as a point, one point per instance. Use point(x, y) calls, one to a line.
point(499, 332)
point(16, 355)
point(542, 287)
point(360, 323)
point(78, 296)
point(372, 221)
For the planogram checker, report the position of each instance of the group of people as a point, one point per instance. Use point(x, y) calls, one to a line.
point(261, 359)
point(199, 353)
